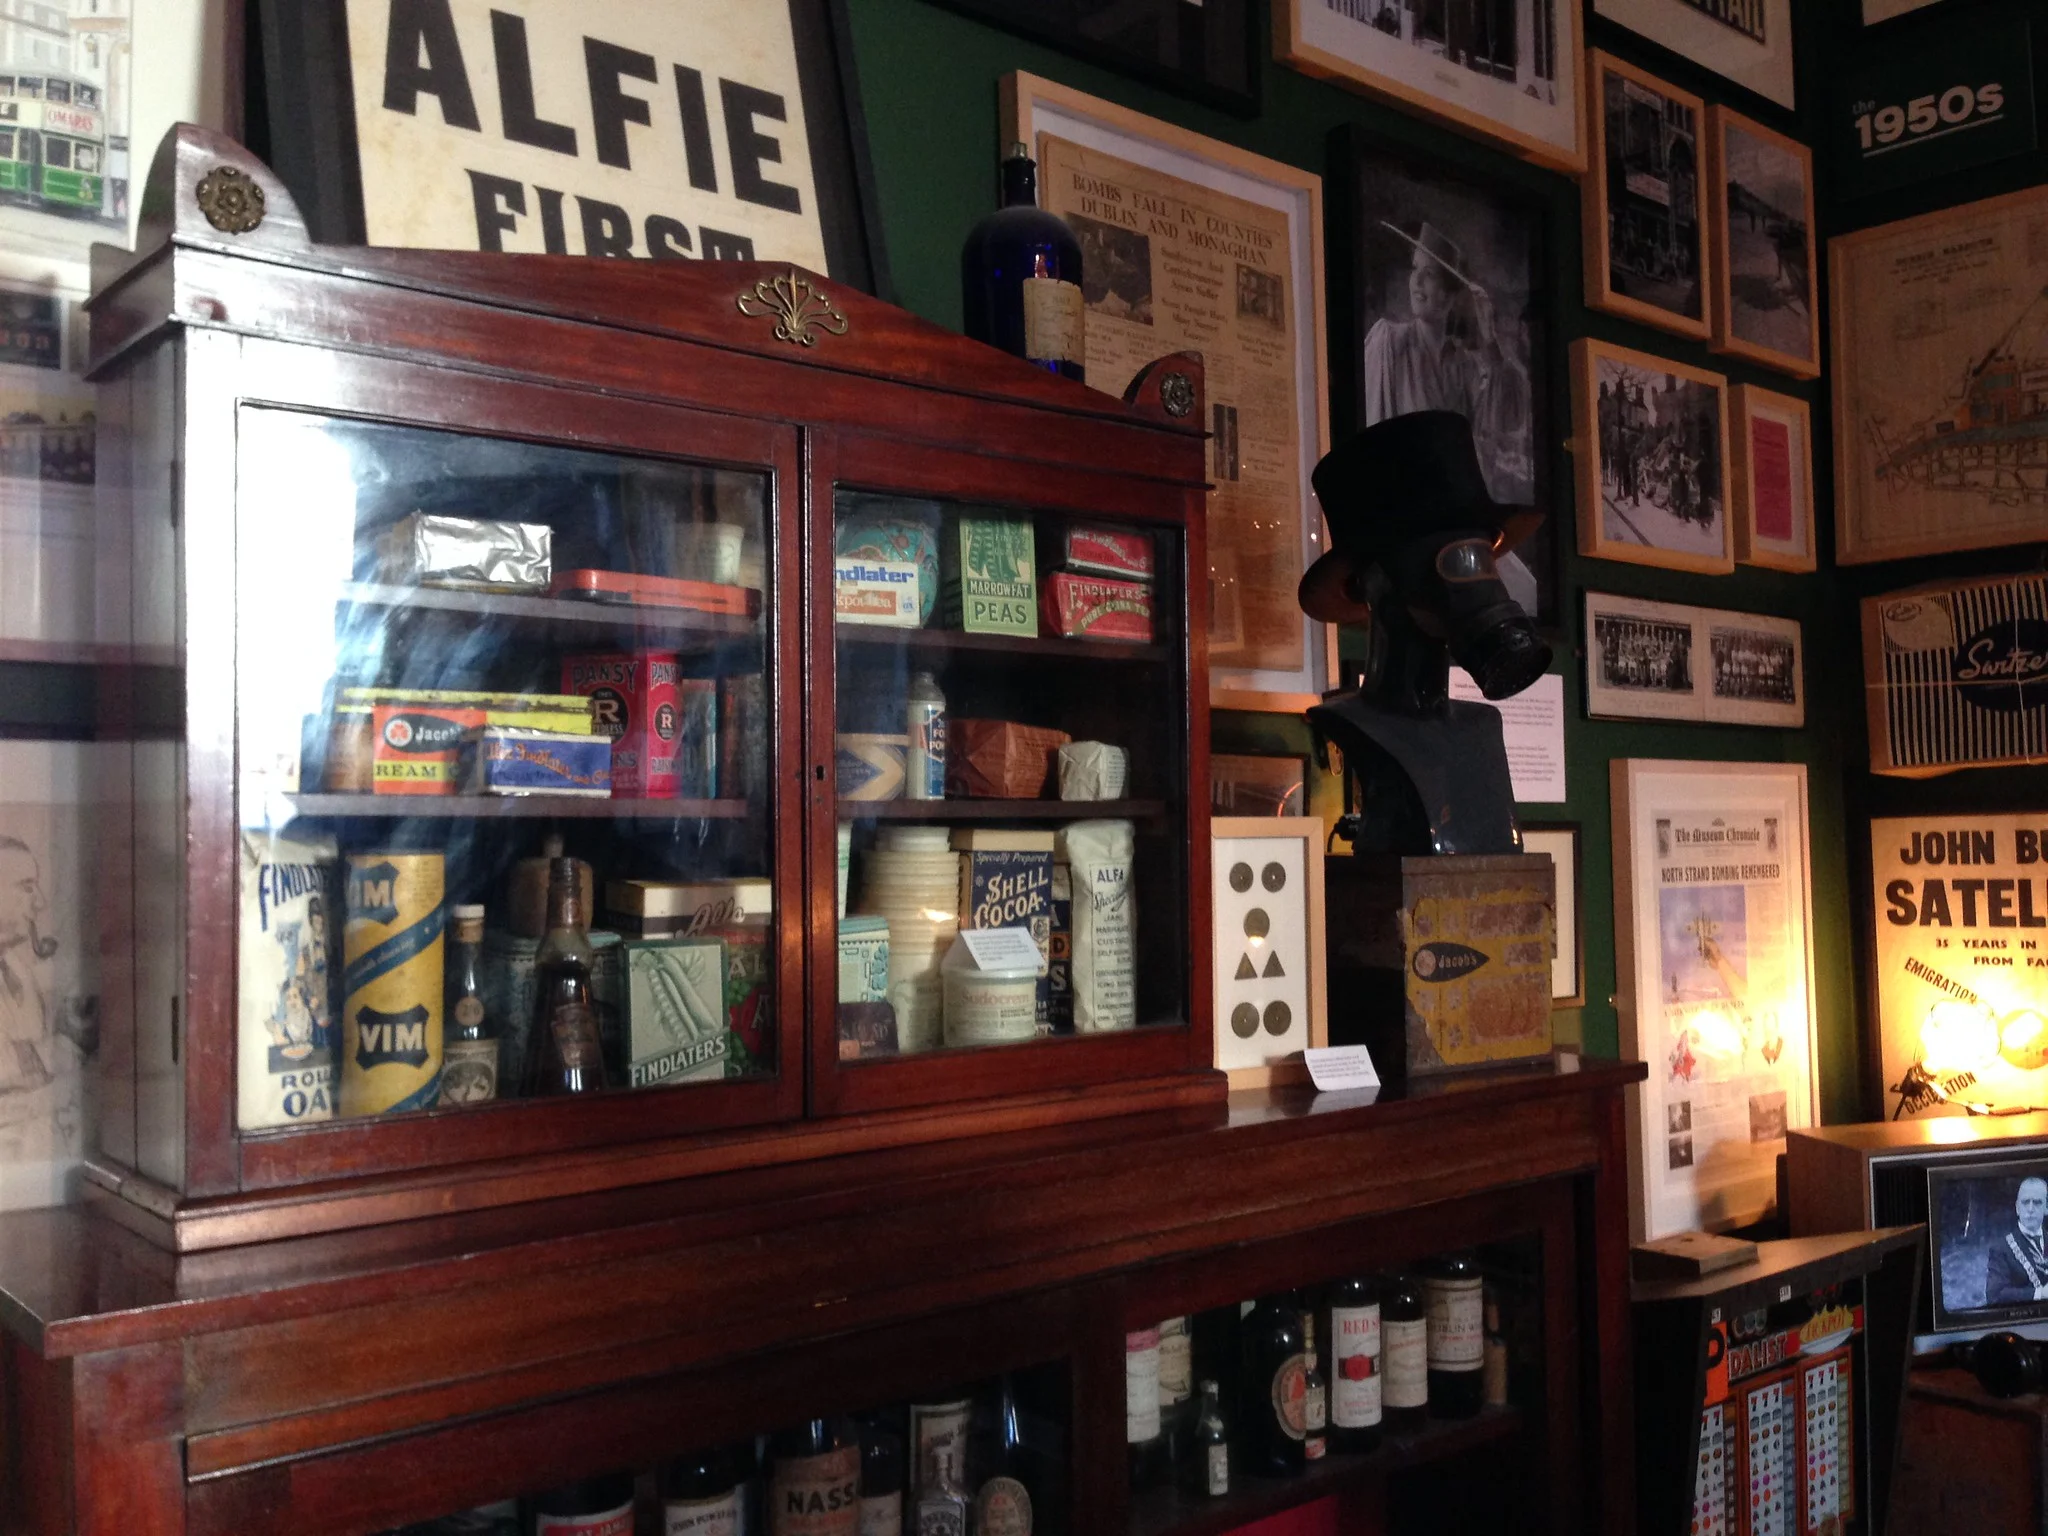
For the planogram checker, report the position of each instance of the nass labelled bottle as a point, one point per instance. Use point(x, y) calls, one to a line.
point(814, 1480)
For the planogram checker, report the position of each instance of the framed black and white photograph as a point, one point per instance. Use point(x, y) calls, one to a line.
point(1211, 51)
point(1760, 215)
point(692, 129)
point(1510, 72)
point(1746, 41)
point(1650, 450)
point(1560, 839)
point(1444, 311)
point(1645, 220)
point(1672, 661)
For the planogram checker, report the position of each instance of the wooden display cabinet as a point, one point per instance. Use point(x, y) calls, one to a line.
point(271, 409)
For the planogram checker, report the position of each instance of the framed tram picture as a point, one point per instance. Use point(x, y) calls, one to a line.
point(1940, 353)
point(692, 129)
point(1645, 214)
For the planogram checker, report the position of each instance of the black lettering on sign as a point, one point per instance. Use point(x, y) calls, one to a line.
point(1898, 902)
point(422, 54)
point(552, 238)
point(748, 146)
point(607, 228)
point(696, 129)
point(667, 239)
point(498, 201)
point(523, 123)
point(610, 107)
point(720, 246)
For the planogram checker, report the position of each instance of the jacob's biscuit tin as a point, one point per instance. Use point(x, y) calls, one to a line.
point(394, 952)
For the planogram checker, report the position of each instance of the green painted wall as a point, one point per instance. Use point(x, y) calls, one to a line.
point(929, 83)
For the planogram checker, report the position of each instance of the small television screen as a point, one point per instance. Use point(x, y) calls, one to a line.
point(1990, 1251)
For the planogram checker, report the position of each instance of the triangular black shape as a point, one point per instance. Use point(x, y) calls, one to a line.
point(1273, 966)
point(1244, 969)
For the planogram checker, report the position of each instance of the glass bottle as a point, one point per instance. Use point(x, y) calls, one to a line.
point(1272, 1419)
point(1315, 1407)
point(1020, 277)
point(1404, 1343)
point(1353, 1351)
point(1495, 1375)
point(925, 764)
point(702, 1494)
point(881, 1478)
point(1457, 1337)
point(1213, 1437)
point(1176, 1389)
point(814, 1480)
point(941, 1506)
point(999, 1468)
point(566, 1051)
point(1147, 1446)
point(595, 1506)
point(937, 1429)
point(469, 1040)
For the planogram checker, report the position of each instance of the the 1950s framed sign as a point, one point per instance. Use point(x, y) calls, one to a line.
point(691, 129)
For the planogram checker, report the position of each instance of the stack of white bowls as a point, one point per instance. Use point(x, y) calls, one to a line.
point(912, 878)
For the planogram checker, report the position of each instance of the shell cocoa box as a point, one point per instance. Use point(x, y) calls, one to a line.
point(1000, 759)
point(633, 701)
point(1098, 608)
point(1115, 552)
point(1006, 881)
point(1956, 675)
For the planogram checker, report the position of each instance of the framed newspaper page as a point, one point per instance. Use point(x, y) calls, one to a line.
point(1517, 85)
point(1190, 243)
point(1713, 930)
point(1940, 371)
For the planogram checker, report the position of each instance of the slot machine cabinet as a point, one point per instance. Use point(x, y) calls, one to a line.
point(1768, 1396)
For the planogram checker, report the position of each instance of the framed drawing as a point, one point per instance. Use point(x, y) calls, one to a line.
point(1508, 71)
point(1650, 450)
point(1770, 463)
point(606, 128)
point(1250, 300)
point(1560, 839)
point(1645, 227)
point(1268, 915)
point(1940, 333)
point(1211, 52)
point(1760, 216)
point(1713, 924)
point(1442, 307)
point(1749, 42)
point(49, 1009)
point(1668, 661)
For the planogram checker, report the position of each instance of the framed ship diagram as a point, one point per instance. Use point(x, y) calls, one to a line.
point(1941, 381)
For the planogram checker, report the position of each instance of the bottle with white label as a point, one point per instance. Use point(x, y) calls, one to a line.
point(702, 1494)
point(1212, 1436)
point(1353, 1352)
point(942, 1508)
point(1020, 277)
point(596, 1506)
point(1457, 1337)
point(1404, 1350)
point(1141, 1407)
point(814, 1480)
point(1176, 1388)
point(924, 776)
point(1272, 1419)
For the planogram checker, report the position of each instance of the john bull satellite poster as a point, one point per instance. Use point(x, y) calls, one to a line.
point(1940, 363)
point(1960, 905)
point(1713, 912)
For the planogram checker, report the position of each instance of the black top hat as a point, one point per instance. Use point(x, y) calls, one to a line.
point(1398, 480)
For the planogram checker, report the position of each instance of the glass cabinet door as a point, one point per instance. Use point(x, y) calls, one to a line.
point(1009, 741)
point(503, 735)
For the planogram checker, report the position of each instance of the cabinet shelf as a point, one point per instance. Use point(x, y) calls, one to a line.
point(1173, 1512)
point(566, 612)
point(484, 807)
point(1000, 810)
point(1045, 646)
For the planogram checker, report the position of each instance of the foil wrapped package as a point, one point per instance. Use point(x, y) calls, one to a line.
point(426, 549)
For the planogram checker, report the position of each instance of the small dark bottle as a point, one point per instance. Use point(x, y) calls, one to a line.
point(1212, 1464)
point(1020, 277)
point(1404, 1345)
point(1353, 1353)
point(1272, 1419)
point(596, 1506)
point(1455, 1294)
point(469, 1043)
point(567, 1055)
point(814, 1471)
point(703, 1493)
point(881, 1478)
point(999, 1466)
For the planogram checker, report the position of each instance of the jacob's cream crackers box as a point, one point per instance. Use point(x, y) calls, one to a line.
point(416, 734)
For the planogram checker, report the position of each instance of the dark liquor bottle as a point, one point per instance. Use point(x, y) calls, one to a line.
point(881, 1477)
point(1142, 1430)
point(1000, 1468)
point(469, 1043)
point(1020, 277)
point(1354, 1369)
point(566, 1053)
point(596, 1506)
point(1213, 1464)
point(703, 1494)
point(1272, 1419)
point(814, 1480)
point(1457, 1337)
point(1495, 1376)
point(1315, 1405)
point(1404, 1343)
